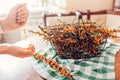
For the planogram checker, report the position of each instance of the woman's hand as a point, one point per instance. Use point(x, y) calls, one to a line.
point(22, 15)
point(20, 52)
point(16, 18)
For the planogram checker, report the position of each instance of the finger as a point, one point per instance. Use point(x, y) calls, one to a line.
point(24, 8)
point(22, 12)
point(20, 23)
point(27, 53)
point(22, 16)
point(21, 20)
point(31, 47)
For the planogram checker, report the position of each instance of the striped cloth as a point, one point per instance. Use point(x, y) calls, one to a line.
point(97, 68)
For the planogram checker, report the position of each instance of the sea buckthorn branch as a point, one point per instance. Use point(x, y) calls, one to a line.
point(65, 39)
point(54, 65)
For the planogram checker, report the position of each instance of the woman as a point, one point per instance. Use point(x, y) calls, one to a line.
point(16, 18)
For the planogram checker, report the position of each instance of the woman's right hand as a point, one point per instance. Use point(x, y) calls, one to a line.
point(17, 17)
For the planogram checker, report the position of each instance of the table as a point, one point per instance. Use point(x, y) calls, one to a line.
point(117, 62)
point(12, 68)
point(98, 68)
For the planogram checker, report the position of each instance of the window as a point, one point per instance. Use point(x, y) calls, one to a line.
point(53, 6)
point(5, 5)
point(116, 5)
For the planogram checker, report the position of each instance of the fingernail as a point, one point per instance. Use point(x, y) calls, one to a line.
point(18, 17)
point(19, 14)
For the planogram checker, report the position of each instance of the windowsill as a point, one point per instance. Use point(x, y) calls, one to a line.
point(113, 12)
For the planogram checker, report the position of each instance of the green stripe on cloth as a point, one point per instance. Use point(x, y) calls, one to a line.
point(97, 68)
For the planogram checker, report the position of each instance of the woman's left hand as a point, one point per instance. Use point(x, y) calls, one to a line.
point(21, 52)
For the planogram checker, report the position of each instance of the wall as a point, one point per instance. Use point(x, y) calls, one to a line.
point(94, 5)
point(113, 21)
point(99, 19)
point(68, 19)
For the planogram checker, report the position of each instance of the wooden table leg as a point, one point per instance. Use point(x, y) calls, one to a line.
point(117, 66)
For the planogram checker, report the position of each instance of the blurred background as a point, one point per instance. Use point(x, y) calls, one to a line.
point(38, 8)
